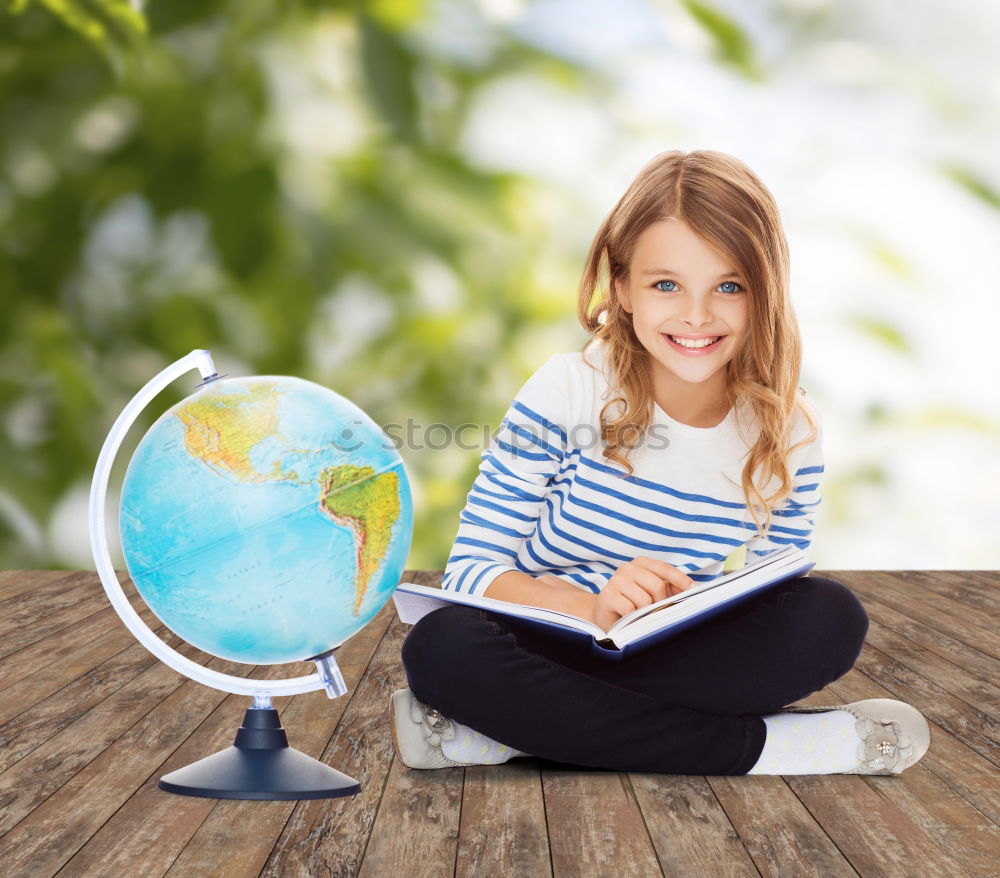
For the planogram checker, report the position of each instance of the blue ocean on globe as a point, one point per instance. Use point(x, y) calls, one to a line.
point(265, 519)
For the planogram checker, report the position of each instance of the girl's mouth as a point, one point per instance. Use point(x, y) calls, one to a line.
point(694, 352)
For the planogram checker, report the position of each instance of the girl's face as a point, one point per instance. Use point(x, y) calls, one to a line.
point(678, 285)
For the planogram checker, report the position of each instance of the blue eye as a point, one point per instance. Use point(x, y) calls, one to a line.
point(725, 283)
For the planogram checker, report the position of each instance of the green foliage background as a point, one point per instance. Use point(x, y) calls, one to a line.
point(176, 129)
point(165, 185)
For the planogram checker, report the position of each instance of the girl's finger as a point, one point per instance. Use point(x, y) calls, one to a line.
point(676, 577)
point(635, 594)
point(619, 603)
point(653, 584)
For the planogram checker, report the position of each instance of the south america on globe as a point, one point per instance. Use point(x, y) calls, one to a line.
point(265, 519)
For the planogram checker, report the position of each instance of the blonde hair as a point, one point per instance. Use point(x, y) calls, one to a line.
point(731, 209)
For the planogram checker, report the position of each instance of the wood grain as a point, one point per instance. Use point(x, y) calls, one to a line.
point(89, 722)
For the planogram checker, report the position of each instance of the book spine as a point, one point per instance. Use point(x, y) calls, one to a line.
point(605, 649)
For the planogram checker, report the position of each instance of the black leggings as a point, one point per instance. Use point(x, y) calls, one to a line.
point(691, 704)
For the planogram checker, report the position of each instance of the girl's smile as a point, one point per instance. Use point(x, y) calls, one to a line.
point(696, 347)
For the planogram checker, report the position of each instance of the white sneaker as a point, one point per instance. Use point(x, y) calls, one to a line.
point(893, 734)
point(417, 732)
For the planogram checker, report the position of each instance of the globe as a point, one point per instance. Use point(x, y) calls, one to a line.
point(265, 519)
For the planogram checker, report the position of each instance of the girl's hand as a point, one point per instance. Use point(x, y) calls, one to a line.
point(637, 583)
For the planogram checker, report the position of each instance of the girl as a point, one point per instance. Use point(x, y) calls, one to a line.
point(673, 444)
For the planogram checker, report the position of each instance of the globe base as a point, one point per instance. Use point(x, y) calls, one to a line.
point(260, 765)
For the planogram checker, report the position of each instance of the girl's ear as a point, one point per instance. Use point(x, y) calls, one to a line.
point(621, 291)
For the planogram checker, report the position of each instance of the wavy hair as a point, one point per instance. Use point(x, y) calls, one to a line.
point(731, 209)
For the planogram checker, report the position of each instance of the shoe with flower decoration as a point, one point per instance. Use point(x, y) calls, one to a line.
point(417, 732)
point(893, 735)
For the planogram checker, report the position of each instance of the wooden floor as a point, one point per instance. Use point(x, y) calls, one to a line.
point(89, 721)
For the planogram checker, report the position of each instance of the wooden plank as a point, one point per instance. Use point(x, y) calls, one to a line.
point(335, 835)
point(41, 758)
point(875, 835)
point(986, 582)
point(965, 624)
point(962, 586)
point(45, 594)
point(977, 664)
point(47, 623)
point(119, 745)
point(15, 582)
point(148, 832)
point(50, 649)
point(973, 726)
point(239, 838)
point(595, 825)
point(30, 616)
point(47, 666)
point(981, 694)
point(450, 826)
point(31, 727)
point(780, 834)
point(45, 720)
point(502, 826)
point(928, 645)
point(690, 825)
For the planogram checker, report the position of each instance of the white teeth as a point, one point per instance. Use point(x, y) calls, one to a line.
point(694, 343)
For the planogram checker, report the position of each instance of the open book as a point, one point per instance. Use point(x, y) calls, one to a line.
point(636, 630)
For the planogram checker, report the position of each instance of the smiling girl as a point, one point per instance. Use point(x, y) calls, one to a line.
point(674, 445)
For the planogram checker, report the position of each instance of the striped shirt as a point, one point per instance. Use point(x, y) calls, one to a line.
point(545, 500)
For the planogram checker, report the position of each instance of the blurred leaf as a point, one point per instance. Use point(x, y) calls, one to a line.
point(845, 488)
point(397, 15)
point(389, 74)
point(890, 259)
point(95, 19)
point(878, 329)
point(241, 206)
point(948, 417)
point(973, 183)
point(734, 47)
point(116, 28)
point(876, 412)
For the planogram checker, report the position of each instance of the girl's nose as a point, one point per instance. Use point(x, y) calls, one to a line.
point(696, 312)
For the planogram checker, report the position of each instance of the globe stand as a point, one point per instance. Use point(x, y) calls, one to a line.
point(260, 765)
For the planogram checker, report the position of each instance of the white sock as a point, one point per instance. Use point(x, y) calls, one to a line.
point(468, 745)
point(809, 743)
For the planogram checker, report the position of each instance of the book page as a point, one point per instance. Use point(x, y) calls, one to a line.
point(663, 615)
point(766, 561)
point(414, 601)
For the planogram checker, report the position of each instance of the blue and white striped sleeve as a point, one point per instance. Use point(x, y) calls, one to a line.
point(515, 473)
point(793, 522)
